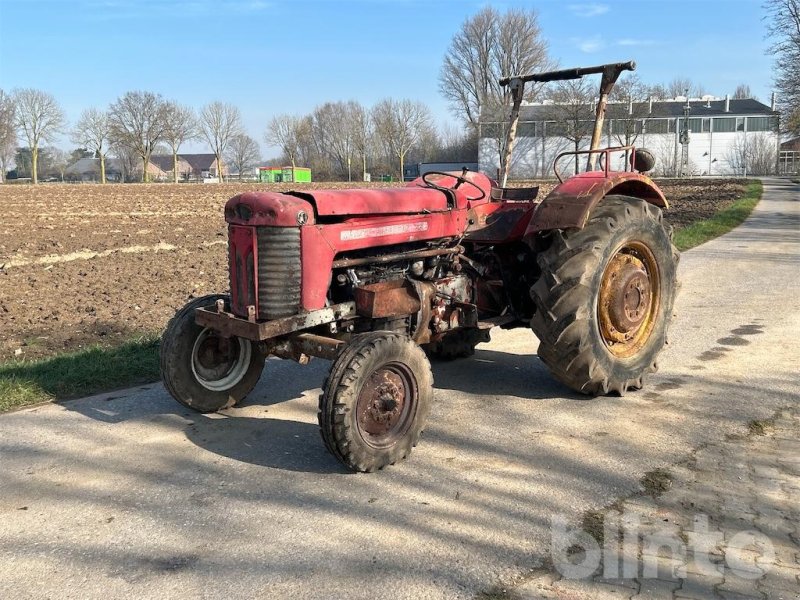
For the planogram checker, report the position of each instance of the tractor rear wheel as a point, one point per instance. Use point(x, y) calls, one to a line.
point(201, 369)
point(375, 401)
point(604, 299)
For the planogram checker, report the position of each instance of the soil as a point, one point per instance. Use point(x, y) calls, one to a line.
point(87, 264)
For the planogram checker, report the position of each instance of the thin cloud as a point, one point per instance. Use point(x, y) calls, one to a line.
point(589, 45)
point(635, 42)
point(588, 10)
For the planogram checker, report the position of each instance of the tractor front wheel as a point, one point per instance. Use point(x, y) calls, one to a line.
point(203, 370)
point(375, 401)
point(605, 295)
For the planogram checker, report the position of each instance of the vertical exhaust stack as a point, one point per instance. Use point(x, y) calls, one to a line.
point(727, 103)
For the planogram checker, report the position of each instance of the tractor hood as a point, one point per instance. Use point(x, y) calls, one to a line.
point(299, 208)
point(358, 202)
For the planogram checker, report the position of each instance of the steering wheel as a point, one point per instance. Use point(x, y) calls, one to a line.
point(459, 180)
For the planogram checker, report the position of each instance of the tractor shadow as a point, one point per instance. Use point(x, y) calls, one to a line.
point(265, 430)
point(289, 444)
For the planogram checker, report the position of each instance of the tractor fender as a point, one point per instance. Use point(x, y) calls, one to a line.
point(569, 204)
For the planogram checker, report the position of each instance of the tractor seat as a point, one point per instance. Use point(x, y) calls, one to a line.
point(526, 194)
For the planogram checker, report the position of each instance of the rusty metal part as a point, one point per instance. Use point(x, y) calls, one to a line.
point(426, 291)
point(300, 346)
point(628, 301)
point(393, 298)
point(610, 75)
point(386, 405)
point(569, 204)
point(229, 325)
point(386, 258)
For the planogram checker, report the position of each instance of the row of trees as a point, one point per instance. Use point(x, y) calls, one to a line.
point(131, 128)
point(339, 139)
point(346, 140)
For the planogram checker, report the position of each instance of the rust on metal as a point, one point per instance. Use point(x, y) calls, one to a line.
point(393, 298)
point(300, 346)
point(229, 325)
point(386, 405)
point(628, 300)
point(387, 258)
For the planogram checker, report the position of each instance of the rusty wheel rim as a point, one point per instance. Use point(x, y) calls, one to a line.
point(218, 363)
point(386, 405)
point(627, 307)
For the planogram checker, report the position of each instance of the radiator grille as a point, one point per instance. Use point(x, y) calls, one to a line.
point(279, 271)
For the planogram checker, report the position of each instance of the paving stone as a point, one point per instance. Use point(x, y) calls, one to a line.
point(581, 588)
point(698, 587)
point(656, 589)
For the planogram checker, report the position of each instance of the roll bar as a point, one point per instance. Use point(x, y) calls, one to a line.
point(516, 84)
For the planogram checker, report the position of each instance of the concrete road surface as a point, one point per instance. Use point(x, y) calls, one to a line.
point(129, 495)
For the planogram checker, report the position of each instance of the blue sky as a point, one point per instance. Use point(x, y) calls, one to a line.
point(276, 56)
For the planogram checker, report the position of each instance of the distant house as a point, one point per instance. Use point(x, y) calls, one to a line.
point(88, 169)
point(191, 167)
point(789, 160)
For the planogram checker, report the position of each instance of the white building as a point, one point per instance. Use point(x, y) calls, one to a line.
point(726, 137)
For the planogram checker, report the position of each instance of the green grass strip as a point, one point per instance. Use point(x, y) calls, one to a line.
point(701, 231)
point(81, 373)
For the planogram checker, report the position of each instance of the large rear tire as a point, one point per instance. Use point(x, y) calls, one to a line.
point(604, 299)
point(375, 401)
point(202, 370)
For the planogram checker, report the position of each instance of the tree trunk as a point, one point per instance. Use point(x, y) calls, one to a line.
point(402, 161)
point(102, 167)
point(144, 169)
point(364, 164)
point(175, 165)
point(219, 169)
point(35, 165)
point(577, 148)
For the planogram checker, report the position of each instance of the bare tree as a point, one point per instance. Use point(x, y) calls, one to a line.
point(8, 133)
point(243, 153)
point(180, 127)
point(400, 124)
point(491, 45)
point(336, 128)
point(573, 112)
point(137, 121)
point(362, 135)
point(680, 85)
point(783, 25)
point(92, 131)
point(58, 161)
point(220, 122)
point(284, 131)
point(39, 118)
point(626, 124)
point(753, 154)
point(742, 91)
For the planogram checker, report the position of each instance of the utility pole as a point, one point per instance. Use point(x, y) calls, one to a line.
point(685, 138)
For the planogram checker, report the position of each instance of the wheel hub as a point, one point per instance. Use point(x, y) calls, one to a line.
point(383, 406)
point(627, 299)
point(219, 363)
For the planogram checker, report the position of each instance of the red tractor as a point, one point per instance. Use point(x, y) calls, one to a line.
point(377, 279)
